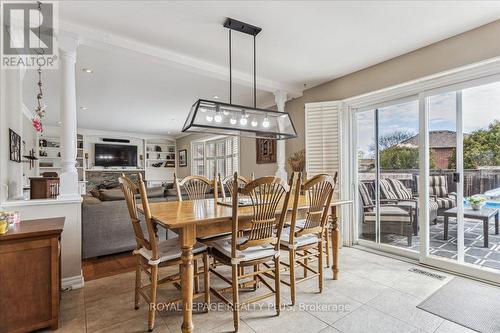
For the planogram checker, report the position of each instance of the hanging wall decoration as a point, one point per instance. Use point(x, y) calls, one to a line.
point(40, 108)
point(14, 146)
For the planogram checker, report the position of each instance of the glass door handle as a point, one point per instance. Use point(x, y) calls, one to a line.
point(456, 177)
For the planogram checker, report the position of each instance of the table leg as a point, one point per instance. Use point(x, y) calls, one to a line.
point(445, 237)
point(188, 239)
point(335, 242)
point(485, 230)
point(496, 223)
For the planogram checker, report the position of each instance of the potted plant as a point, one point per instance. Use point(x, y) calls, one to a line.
point(297, 163)
point(476, 202)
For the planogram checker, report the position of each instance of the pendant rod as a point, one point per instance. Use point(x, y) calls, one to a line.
point(254, 75)
point(230, 71)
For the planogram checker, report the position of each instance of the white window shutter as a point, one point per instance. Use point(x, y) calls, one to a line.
point(323, 138)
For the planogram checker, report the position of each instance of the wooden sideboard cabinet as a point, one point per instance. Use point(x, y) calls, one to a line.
point(30, 275)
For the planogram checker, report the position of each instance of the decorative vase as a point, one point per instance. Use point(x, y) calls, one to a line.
point(4, 226)
point(476, 206)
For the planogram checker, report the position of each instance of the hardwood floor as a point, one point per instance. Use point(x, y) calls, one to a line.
point(96, 268)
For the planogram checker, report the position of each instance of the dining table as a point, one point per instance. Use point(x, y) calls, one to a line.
point(192, 219)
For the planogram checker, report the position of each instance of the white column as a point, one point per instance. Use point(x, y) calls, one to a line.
point(69, 174)
point(280, 99)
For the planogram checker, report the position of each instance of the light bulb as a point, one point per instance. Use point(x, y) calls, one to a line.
point(233, 121)
point(265, 123)
point(218, 117)
point(209, 118)
point(254, 122)
point(243, 121)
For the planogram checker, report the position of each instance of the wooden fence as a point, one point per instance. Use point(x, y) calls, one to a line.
point(475, 181)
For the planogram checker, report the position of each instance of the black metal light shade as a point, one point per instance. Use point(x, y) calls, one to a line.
point(230, 119)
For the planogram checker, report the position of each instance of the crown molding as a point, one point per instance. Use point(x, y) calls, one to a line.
point(105, 40)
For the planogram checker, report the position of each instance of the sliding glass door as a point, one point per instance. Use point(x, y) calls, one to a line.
point(463, 152)
point(428, 177)
point(387, 167)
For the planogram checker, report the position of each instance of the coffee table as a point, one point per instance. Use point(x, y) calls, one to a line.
point(484, 214)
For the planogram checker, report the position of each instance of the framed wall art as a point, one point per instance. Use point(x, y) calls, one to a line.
point(15, 146)
point(266, 151)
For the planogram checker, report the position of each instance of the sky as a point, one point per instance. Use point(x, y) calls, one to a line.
point(480, 106)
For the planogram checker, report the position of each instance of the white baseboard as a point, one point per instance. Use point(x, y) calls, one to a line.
point(72, 282)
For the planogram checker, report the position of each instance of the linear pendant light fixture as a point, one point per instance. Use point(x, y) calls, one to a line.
point(231, 119)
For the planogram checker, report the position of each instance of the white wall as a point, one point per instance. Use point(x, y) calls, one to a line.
point(71, 238)
point(11, 116)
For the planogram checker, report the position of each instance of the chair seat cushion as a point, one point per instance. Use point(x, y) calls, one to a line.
point(445, 202)
point(433, 205)
point(389, 214)
point(169, 249)
point(251, 253)
point(297, 241)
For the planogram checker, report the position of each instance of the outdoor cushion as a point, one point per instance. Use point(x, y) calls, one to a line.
point(438, 186)
point(389, 214)
point(445, 203)
point(251, 253)
point(386, 190)
point(365, 195)
point(168, 249)
point(402, 192)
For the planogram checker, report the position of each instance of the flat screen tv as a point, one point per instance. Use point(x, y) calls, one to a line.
point(108, 155)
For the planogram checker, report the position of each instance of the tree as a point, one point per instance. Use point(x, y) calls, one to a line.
point(391, 139)
point(402, 157)
point(481, 148)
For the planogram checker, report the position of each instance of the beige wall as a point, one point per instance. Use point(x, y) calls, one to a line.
point(467, 48)
point(472, 46)
point(185, 143)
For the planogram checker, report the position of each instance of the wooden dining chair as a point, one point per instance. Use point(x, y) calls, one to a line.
point(227, 183)
point(196, 187)
point(303, 239)
point(152, 253)
point(260, 244)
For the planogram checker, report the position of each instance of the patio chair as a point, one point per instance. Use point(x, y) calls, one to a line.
point(394, 191)
point(394, 218)
point(438, 188)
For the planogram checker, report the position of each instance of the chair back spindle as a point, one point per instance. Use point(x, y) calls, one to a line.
point(228, 182)
point(196, 187)
point(266, 195)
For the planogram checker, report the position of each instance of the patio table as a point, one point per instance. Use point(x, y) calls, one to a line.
point(484, 214)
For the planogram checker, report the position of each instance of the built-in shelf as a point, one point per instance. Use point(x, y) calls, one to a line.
point(156, 152)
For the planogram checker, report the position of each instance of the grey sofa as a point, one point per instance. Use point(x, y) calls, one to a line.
point(106, 227)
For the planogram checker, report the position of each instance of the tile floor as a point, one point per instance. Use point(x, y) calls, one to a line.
point(373, 294)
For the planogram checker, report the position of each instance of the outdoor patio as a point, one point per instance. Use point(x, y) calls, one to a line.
point(475, 252)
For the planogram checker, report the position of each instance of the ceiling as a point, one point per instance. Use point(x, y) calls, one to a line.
point(152, 60)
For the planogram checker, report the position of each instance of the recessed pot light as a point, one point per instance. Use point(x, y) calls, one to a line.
point(87, 70)
point(216, 97)
point(59, 122)
point(83, 108)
